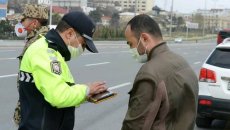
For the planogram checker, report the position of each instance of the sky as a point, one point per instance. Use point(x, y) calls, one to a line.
point(188, 6)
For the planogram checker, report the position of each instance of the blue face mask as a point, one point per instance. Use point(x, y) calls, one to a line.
point(140, 58)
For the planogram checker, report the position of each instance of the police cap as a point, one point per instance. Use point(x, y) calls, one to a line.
point(83, 25)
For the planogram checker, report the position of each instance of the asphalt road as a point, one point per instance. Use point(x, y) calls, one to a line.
point(113, 64)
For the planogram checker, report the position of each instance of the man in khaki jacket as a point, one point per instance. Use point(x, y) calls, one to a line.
point(33, 20)
point(165, 90)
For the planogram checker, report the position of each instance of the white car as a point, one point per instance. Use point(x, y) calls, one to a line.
point(178, 40)
point(214, 86)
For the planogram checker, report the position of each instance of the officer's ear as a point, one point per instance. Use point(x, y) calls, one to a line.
point(70, 33)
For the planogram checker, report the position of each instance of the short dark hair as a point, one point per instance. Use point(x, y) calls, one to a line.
point(62, 26)
point(144, 23)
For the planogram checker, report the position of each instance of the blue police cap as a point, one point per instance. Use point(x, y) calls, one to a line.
point(83, 25)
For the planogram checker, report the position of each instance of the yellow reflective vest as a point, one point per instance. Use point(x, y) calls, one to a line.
point(51, 76)
point(47, 92)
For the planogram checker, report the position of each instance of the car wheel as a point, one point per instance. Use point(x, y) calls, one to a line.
point(203, 122)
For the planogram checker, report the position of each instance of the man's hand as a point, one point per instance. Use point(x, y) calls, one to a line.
point(96, 87)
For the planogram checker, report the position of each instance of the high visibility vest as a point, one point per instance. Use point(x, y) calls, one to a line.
point(47, 89)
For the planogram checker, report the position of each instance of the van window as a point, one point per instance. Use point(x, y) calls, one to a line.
point(220, 58)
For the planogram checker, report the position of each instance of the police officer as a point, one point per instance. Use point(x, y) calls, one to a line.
point(47, 91)
point(33, 23)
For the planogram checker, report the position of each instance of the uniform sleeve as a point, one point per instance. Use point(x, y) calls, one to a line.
point(53, 87)
point(140, 99)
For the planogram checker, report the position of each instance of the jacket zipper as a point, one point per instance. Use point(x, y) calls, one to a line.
point(43, 119)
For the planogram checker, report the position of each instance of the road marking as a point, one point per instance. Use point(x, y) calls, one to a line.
point(118, 44)
point(10, 75)
point(111, 88)
point(97, 64)
point(6, 50)
point(9, 47)
point(119, 86)
point(198, 62)
point(8, 58)
point(115, 52)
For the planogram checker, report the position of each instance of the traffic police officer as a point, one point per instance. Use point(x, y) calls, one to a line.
point(47, 91)
point(33, 21)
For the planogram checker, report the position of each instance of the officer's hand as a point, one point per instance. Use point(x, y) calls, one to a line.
point(96, 87)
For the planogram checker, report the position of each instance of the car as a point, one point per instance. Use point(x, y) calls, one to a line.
point(214, 86)
point(52, 26)
point(222, 34)
point(178, 40)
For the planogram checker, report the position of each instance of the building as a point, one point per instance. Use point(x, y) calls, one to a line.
point(126, 16)
point(64, 3)
point(59, 10)
point(141, 6)
point(86, 10)
point(215, 19)
point(3, 9)
point(70, 3)
point(105, 20)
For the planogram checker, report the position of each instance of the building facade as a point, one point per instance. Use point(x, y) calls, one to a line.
point(140, 6)
point(65, 3)
point(216, 19)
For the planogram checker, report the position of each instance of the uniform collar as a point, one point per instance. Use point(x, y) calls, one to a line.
point(57, 43)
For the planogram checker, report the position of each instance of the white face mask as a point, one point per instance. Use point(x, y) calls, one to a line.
point(75, 52)
point(20, 30)
point(140, 58)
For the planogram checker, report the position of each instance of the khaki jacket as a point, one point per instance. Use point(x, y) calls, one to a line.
point(177, 106)
point(33, 36)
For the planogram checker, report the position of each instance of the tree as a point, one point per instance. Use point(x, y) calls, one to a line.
point(174, 20)
point(198, 18)
point(5, 29)
point(55, 18)
point(117, 3)
point(115, 20)
point(96, 15)
point(180, 21)
point(109, 11)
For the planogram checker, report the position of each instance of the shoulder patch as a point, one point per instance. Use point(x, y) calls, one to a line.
point(55, 67)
